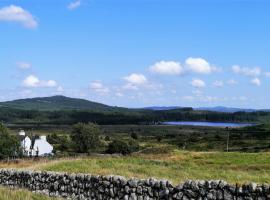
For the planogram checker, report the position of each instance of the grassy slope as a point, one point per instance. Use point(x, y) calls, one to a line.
point(10, 194)
point(56, 103)
point(177, 166)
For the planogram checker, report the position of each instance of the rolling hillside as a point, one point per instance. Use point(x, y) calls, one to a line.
point(58, 103)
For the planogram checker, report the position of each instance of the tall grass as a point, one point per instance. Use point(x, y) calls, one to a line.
point(177, 166)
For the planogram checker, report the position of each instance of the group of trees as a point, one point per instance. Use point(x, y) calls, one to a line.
point(9, 144)
point(87, 138)
point(11, 115)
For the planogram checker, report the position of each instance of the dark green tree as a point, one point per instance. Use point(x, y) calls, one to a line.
point(9, 144)
point(86, 137)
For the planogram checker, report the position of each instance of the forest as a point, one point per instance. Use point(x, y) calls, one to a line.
point(19, 116)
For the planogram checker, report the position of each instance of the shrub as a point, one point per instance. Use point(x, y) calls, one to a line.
point(107, 138)
point(60, 142)
point(123, 147)
point(134, 135)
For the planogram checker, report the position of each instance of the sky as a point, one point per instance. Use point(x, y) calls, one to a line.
point(137, 53)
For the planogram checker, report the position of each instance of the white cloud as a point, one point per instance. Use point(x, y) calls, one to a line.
point(99, 88)
point(74, 5)
point(218, 84)
point(197, 83)
point(256, 81)
point(256, 71)
point(60, 89)
point(49, 83)
point(232, 82)
point(24, 65)
point(19, 15)
point(167, 68)
point(199, 65)
point(136, 79)
point(33, 81)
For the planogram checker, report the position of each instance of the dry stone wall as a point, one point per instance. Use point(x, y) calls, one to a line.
point(84, 186)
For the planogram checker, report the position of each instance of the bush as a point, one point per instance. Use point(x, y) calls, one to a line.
point(123, 147)
point(86, 137)
point(134, 136)
point(107, 138)
point(9, 144)
point(60, 142)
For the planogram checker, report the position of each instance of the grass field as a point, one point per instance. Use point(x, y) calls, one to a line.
point(10, 194)
point(162, 155)
point(176, 166)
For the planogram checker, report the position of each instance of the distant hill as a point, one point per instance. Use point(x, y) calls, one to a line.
point(225, 109)
point(162, 108)
point(66, 103)
point(66, 110)
point(214, 109)
point(58, 103)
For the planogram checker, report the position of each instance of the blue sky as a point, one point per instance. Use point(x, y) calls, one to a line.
point(137, 53)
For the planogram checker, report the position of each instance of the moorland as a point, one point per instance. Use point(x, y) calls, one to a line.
point(135, 143)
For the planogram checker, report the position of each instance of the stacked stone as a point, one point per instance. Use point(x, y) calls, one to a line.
point(85, 186)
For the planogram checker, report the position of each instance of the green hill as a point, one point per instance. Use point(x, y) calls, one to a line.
point(58, 103)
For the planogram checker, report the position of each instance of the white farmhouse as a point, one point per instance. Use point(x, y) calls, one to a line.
point(26, 143)
point(38, 146)
point(41, 147)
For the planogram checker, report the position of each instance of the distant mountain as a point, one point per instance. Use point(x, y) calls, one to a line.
point(225, 109)
point(67, 103)
point(58, 103)
point(214, 109)
point(162, 108)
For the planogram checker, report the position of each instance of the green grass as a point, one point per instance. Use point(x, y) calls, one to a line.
point(176, 167)
point(9, 194)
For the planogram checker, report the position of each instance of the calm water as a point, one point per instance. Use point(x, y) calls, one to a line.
point(212, 124)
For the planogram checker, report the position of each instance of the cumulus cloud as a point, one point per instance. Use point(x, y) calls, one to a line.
point(256, 71)
point(199, 65)
point(136, 79)
point(24, 65)
point(167, 68)
point(99, 88)
point(74, 5)
point(218, 84)
point(197, 83)
point(33, 81)
point(256, 81)
point(17, 14)
point(60, 89)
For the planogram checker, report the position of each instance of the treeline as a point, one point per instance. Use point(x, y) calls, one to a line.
point(10, 115)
